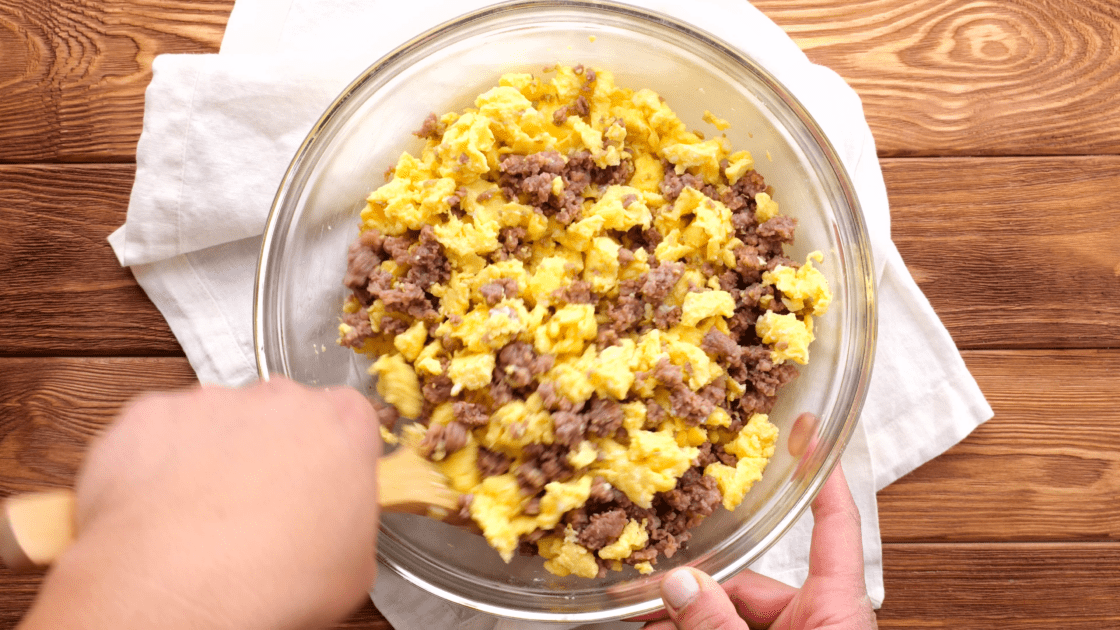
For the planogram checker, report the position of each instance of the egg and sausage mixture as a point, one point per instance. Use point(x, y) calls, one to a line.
point(586, 308)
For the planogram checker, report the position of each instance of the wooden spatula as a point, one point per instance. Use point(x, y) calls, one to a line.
point(36, 528)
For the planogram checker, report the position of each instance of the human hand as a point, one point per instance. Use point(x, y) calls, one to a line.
point(833, 596)
point(218, 508)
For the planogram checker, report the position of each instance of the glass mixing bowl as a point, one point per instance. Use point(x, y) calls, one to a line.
point(299, 291)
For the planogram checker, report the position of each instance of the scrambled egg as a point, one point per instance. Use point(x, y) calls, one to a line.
point(805, 292)
point(803, 289)
point(754, 446)
point(397, 384)
point(522, 115)
point(651, 463)
point(716, 121)
point(633, 537)
point(565, 556)
point(498, 507)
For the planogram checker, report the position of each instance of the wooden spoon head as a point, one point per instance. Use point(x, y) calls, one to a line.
point(410, 483)
point(36, 528)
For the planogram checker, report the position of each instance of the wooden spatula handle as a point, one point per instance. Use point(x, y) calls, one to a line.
point(36, 528)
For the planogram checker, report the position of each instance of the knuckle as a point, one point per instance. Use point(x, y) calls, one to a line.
point(279, 384)
point(143, 411)
point(702, 615)
point(143, 403)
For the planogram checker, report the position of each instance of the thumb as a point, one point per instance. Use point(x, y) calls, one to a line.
point(697, 602)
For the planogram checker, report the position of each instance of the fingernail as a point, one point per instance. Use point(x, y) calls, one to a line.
point(679, 588)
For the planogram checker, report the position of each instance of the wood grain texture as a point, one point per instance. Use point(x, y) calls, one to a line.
point(1013, 252)
point(61, 288)
point(1049, 222)
point(1005, 586)
point(50, 409)
point(366, 618)
point(1045, 468)
point(937, 77)
point(1016, 527)
point(1052, 445)
point(958, 77)
point(19, 592)
point(74, 72)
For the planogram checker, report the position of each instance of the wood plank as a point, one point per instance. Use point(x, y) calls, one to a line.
point(1005, 586)
point(19, 592)
point(955, 77)
point(1045, 468)
point(1013, 252)
point(937, 77)
point(50, 409)
point(62, 288)
point(74, 72)
point(1001, 261)
point(366, 618)
point(1021, 476)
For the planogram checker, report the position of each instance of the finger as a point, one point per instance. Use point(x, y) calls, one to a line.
point(354, 409)
point(837, 548)
point(112, 460)
point(278, 384)
point(664, 624)
point(697, 602)
point(758, 599)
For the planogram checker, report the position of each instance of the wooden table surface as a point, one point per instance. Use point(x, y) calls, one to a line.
point(998, 129)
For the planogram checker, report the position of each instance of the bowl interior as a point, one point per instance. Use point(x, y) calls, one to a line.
point(300, 291)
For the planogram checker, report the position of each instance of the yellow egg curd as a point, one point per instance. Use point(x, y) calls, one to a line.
point(587, 305)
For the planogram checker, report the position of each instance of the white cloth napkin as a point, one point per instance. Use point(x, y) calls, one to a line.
point(220, 130)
